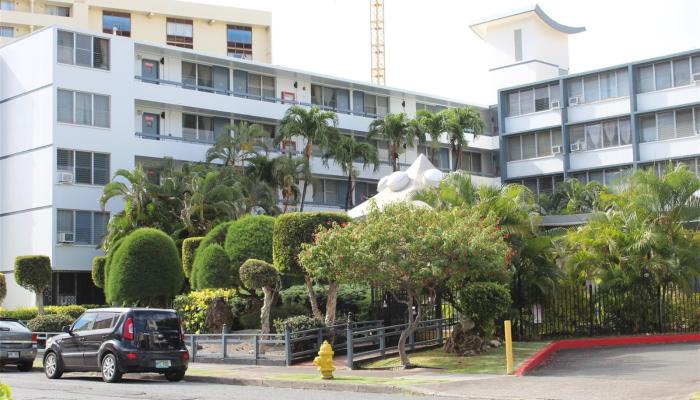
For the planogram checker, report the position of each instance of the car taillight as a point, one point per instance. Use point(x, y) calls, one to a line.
point(129, 329)
point(34, 338)
point(186, 356)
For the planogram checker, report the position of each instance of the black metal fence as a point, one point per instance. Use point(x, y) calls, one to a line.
point(593, 311)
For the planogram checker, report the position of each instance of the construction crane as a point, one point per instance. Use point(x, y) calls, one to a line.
point(376, 26)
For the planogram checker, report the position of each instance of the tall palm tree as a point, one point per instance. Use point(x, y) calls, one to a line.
point(137, 192)
point(316, 126)
point(237, 144)
point(345, 152)
point(261, 168)
point(433, 125)
point(288, 172)
point(210, 198)
point(458, 121)
point(398, 130)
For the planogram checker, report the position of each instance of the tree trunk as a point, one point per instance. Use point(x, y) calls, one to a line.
point(40, 302)
point(303, 196)
point(412, 324)
point(265, 310)
point(331, 303)
point(394, 157)
point(456, 154)
point(312, 298)
point(349, 191)
point(308, 150)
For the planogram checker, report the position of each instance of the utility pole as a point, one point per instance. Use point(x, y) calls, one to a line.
point(376, 26)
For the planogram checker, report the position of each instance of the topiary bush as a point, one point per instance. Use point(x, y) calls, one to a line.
point(144, 270)
point(192, 307)
point(213, 269)
point(189, 248)
point(98, 271)
point(34, 273)
point(217, 235)
point(483, 303)
point(250, 237)
point(3, 288)
point(256, 274)
point(50, 322)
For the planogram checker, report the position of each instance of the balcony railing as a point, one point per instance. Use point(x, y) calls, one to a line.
point(227, 92)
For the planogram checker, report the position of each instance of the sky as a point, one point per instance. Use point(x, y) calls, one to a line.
point(430, 48)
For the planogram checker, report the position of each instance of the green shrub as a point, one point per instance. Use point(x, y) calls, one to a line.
point(256, 274)
point(98, 271)
point(213, 269)
point(192, 307)
point(22, 313)
point(145, 269)
point(351, 298)
point(3, 288)
point(284, 311)
point(296, 323)
point(291, 230)
point(483, 303)
point(73, 311)
point(189, 248)
point(217, 235)
point(33, 273)
point(29, 313)
point(50, 323)
point(249, 237)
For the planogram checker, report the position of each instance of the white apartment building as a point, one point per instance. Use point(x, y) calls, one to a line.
point(75, 106)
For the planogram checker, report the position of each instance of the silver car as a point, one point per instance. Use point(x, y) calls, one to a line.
point(17, 344)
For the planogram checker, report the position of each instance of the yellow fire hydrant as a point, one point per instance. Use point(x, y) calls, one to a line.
point(324, 361)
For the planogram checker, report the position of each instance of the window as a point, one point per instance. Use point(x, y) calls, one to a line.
point(87, 227)
point(7, 5)
point(206, 78)
point(85, 322)
point(7, 31)
point(593, 137)
point(105, 320)
point(332, 98)
point(60, 11)
point(542, 98)
point(608, 176)
point(514, 153)
point(684, 123)
point(541, 185)
point(646, 79)
point(598, 135)
point(255, 86)
point(532, 100)
point(202, 128)
point(665, 125)
point(681, 72)
point(87, 167)
point(434, 108)
point(664, 75)
point(648, 128)
point(179, 32)
point(370, 104)
point(544, 144)
point(116, 23)
point(606, 85)
point(591, 90)
point(83, 108)
point(239, 40)
point(364, 191)
point(513, 104)
point(527, 105)
point(82, 50)
point(518, 39)
point(533, 145)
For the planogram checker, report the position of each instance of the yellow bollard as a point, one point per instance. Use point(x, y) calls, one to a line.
point(509, 348)
point(324, 361)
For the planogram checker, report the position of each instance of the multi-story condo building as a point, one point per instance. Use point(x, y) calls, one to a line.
point(75, 106)
point(211, 29)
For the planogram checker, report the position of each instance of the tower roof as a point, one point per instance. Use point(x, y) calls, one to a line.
point(479, 27)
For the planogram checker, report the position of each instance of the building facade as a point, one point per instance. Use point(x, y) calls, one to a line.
point(72, 115)
point(219, 30)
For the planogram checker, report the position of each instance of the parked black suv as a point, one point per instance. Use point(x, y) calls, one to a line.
point(120, 340)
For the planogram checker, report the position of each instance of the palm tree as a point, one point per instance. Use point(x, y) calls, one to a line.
point(210, 198)
point(345, 153)
point(288, 171)
point(457, 122)
point(237, 143)
point(137, 193)
point(316, 126)
point(261, 168)
point(398, 130)
point(432, 124)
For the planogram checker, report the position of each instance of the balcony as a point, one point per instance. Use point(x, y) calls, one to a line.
point(601, 157)
point(671, 97)
point(533, 121)
point(535, 166)
point(599, 110)
point(666, 149)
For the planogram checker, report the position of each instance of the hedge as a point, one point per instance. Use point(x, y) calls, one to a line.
point(3, 288)
point(293, 229)
point(29, 313)
point(351, 298)
point(249, 237)
point(189, 248)
point(193, 307)
point(213, 269)
point(98, 271)
point(296, 323)
point(483, 303)
point(50, 322)
point(145, 269)
point(33, 272)
point(256, 274)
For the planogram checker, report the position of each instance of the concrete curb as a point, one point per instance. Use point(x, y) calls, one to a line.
point(546, 352)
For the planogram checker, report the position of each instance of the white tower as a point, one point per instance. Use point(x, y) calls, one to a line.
point(526, 45)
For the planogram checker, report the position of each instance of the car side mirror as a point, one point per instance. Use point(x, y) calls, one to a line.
point(66, 329)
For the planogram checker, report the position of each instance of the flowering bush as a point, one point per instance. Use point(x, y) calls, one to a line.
point(192, 307)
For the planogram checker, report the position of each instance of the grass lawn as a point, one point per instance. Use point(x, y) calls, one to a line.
point(493, 362)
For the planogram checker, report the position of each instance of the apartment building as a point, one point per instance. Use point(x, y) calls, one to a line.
point(219, 30)
point(76, 106)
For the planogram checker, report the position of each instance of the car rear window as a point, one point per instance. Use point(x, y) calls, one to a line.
point(156, 321)
point(12, 326)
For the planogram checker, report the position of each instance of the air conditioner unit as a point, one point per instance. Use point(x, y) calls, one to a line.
point(65, 177)
point(576, 146)
point(696, 78)
point(66, 237)
point(574, 101)
point(557, 149)
point(555, 104)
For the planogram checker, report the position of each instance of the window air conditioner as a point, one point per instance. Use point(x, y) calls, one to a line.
point(576, 146)
point(574, 101)
point(555, 104)
point(65, 177)
point(66, 237)
point(556, 149)
point(696, 78)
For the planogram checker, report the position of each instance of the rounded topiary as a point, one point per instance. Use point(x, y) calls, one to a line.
point(189, 248)
point(249, 237)
point(293, 229)
point(213, 269)
point(34, 273)
point(3, 288)
point(217, 235)
point(50, 322)
point(98, 271)
point(483, 302)
point(256, 274)
point(145, 269)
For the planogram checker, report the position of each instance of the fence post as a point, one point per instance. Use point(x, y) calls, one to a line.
point(223, 341)
point(256, 346)
point(591, 302)
point(439, 331)
point(382, 341)
point(288, 346)
point(193, 339)
point(660, 309)
point(349, 343)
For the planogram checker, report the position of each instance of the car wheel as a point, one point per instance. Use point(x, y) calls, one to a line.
point(25, 366)
point(110, 369)
point(174, 375)
point(52, 366)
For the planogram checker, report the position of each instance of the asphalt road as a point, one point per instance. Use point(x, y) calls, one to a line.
point(35, 386)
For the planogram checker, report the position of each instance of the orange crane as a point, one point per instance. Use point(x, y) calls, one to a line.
point(376, 26)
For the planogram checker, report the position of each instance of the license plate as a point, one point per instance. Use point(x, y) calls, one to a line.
point(162, 363)
point(13, 354)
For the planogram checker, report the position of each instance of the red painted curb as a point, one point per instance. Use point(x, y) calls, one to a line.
point(547, 351)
